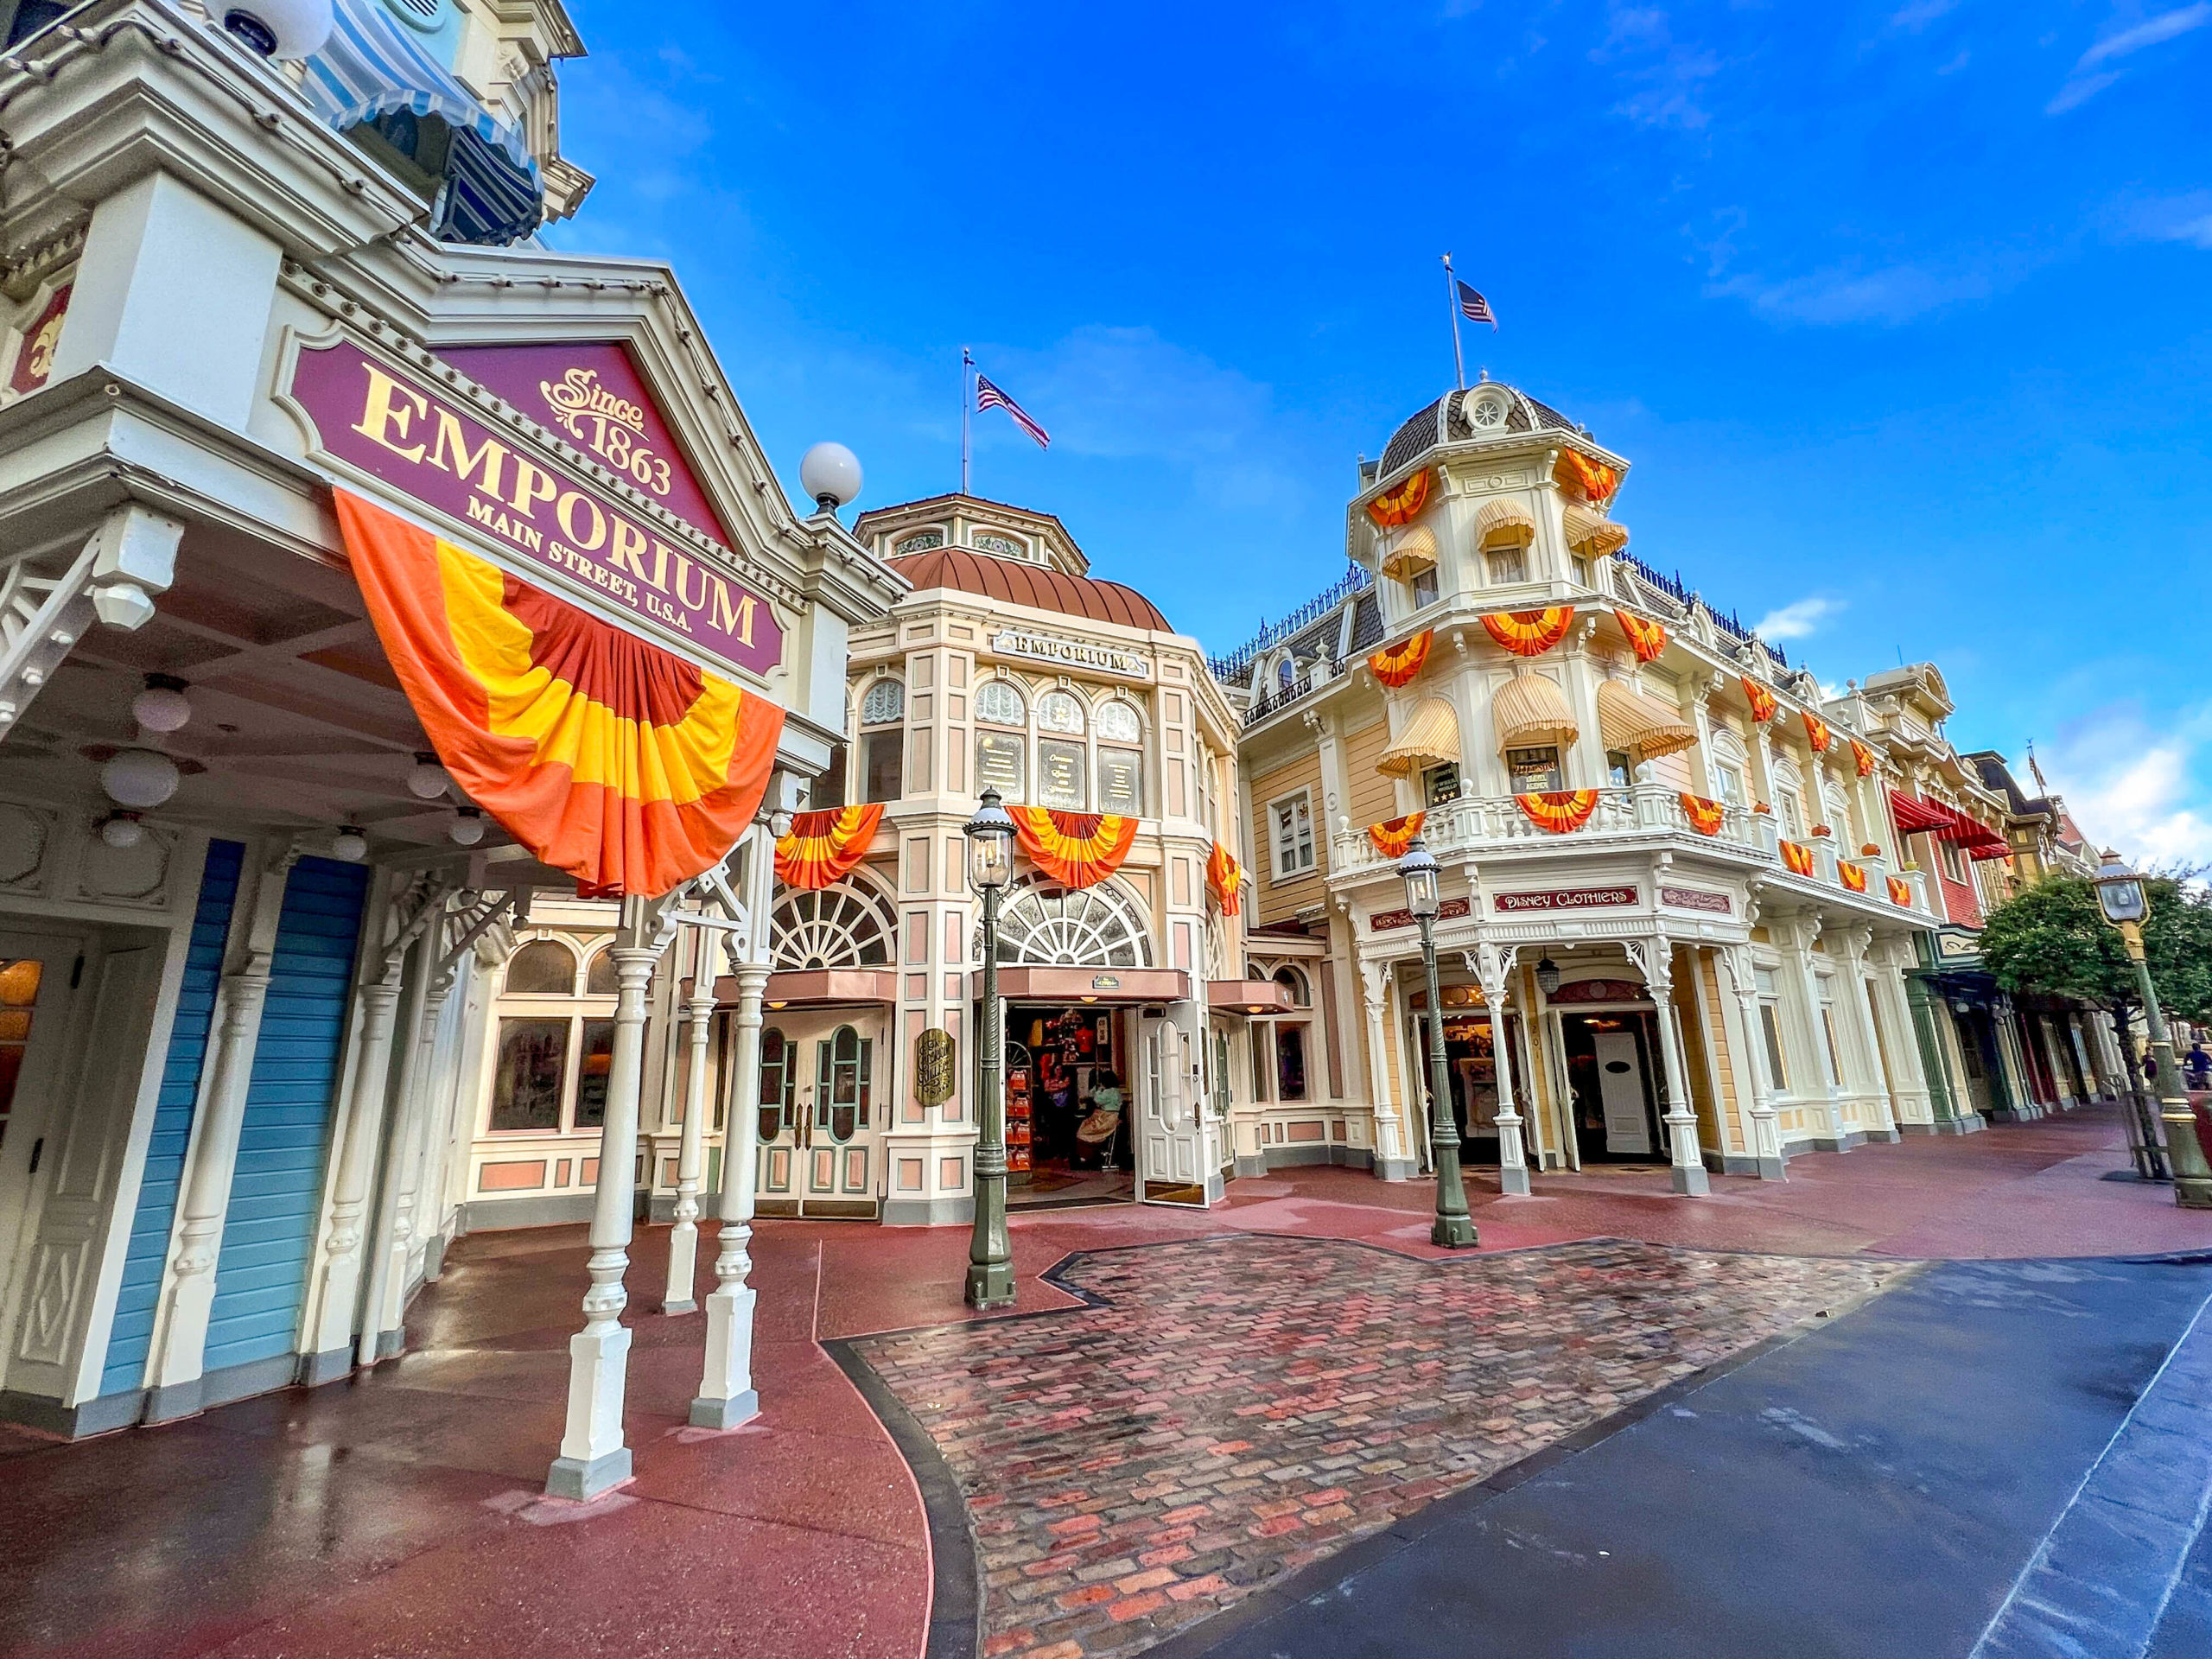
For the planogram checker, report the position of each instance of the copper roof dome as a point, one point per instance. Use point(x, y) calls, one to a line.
point(1038, 586)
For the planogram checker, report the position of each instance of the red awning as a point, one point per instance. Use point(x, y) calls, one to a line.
point(1915, 817)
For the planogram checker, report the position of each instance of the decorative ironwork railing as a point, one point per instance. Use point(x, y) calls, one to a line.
point(1231, 667)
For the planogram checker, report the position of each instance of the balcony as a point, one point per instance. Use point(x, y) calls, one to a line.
point(1642, 816)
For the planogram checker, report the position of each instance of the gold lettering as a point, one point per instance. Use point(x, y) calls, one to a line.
point(738, 621)
point(532, 483)
point(482, 514)
point(382, 415)
point(566, 512)
point(629, 543)
point(659, 577)
point(683, 568)
point(450, 454)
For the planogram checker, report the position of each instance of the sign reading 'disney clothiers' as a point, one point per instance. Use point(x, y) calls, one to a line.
point(372, 417)
point(1565, 899)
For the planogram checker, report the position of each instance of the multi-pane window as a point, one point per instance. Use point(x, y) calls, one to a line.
point(1947, 857)
point(1509, 565)
point(1439, 785)
point(1425, 590)
point(1769, 1000)
point(776, 1079)
point(554, 1045)
point(883, 707)
point(1291, 821)
point(998, 703)
point(1534, 771)
point(1620, 771)
point(1730, 783)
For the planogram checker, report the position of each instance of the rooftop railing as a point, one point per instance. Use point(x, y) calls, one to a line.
point(1233, 668)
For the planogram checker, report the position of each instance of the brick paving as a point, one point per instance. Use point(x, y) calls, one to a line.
point(1232, 1408)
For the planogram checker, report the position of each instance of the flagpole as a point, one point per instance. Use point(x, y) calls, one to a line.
point(967, 403)
point(1451, 299)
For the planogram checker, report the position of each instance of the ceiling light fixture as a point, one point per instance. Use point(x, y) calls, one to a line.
point(162, 706)
point(426, 778)
point(122, 829)
point(141, 778)
point(468, 826)
point(350, 843)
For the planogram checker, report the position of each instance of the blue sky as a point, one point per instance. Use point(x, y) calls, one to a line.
point(1898, 310)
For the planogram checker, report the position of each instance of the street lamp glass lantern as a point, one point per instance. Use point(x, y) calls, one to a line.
point(990, 844)
point(2120, 892)
point(1418, 870)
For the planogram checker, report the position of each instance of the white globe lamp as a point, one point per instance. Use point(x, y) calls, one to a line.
point(468, 828)
point(162, 706)
point(287, 30)
point(140, 778)
point(426, 778)
point(831, 474)
point(122, 830)
point(350, 845)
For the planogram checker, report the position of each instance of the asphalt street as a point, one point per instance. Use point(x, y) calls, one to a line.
point(1996, 1460)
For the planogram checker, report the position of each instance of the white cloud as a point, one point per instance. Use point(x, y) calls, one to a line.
point(1841, 295)
point(1921, 13)
point(2084, 84)
point(2170, 219)
point(2137, 786)
point(1798, 620)
point(1664, 76)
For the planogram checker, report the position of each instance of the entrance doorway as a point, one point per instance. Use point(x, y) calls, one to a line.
point(1471, 1070)
point(1612, 1072)
point(822, 1120)
point(35, 977)
point(1069, 1126)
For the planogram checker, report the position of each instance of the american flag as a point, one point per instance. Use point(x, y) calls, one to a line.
point(989, 397)
point(1473, 307)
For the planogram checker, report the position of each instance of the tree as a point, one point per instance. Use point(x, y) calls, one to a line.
point(2053, 939)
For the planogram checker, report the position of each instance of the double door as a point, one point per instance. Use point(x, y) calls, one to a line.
point(823, 1113)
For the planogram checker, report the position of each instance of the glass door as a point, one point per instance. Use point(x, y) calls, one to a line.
point(821, 1120)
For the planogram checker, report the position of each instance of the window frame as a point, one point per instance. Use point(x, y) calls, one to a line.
point(1307, 847)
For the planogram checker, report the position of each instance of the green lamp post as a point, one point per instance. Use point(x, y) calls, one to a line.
point(990, 1253)
point(1455, 1228)
point(2120, 894)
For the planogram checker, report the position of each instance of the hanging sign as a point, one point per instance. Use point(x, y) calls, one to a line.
point(933, 1067)
point(34, 358)
point(1557, 898)
point(1714, 903)
point(1450, 910)
point(516, 496)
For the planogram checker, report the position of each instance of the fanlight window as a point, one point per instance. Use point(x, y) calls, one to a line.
point(885, 703)
point(542, 969)
point(1118, 723)
point(920, 541)
point(999, 702)
point(1059, 711)
point(1294, 982)
point(600, 981)
point(1045, 926)
point(842, 926)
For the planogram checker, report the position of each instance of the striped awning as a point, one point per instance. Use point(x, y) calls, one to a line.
point(1638, 723)
point(1411, 555)
point(1503, 524)
point(1430, 738)
point(1529, 711)
point(370, 71)
point(1592, 535)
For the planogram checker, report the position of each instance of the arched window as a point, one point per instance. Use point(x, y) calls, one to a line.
point(1063, 762)
point(1286, 675)
point(840, 926)
point(775, 1084)
point(1118, 723)
point(600, 981)
point(1294, 982)
point(542, 967)
point(1000, 702)
point(842, 1085)
point(1060, 711)
point(882, 750)
point(1047, 925)
point(885, 703)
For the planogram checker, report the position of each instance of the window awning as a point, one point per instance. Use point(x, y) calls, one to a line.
point(1431, 739)
point(1530, 710)
point(1637, 724)
point(1413, 554)
point(1503, 524)
point(369, 70)
point(1915, 817)
point(1592, 535)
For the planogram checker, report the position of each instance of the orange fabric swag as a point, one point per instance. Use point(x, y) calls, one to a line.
point(1559, 810)
point(823, 847)
point(1798, 857)
point(1392, 838)
point(1864, 756)
point(1763, 701)
point(1396, 665)
point(1403, 504)
point(1816, 732)
point(1077, 849)
point(1901, 892)
point(606, 756)
point(1853, 876)
point(1594, 479)
point(1705, 816)
point(1648, 639)
point(1225, 879)
point(1529, 633)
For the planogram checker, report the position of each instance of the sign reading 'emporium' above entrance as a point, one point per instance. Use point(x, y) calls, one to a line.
point(1069, 653)
point(379, 421)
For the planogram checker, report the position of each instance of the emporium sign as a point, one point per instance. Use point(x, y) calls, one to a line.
point(423, 444)
point(1558, 899)
point(1069, 653)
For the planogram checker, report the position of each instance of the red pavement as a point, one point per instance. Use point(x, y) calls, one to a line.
point(398, 1513)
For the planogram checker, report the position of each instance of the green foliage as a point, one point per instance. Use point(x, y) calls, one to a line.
point(2053, 939)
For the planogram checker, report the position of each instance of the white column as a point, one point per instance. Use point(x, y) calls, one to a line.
point(727, 1396)
point(684, 1236)
point(178, 1359)
point(384, 1307)
point(1766, 1135)
point(1394, 1153)
point(1495, 967)
point(1688, 1169)
point(593, 1456)
point(1798, 944)
point(349, 1193)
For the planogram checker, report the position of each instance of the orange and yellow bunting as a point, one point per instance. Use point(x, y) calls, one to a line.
point(1225, 880)
point(606, 756)
point(1900, 892)
point(1077, 849)
point(1853, 875)
point(1797, 857)
point(1705, 816)
point(1762, 700)
point(1529, 633)
point(1403, 504)
point(1594, 479)
point(1559, 810)
point(1864, 756)
point(1396, 665)
point(1817, 731)
point(1648, 638)
point(1392, 839)
point(822, 847)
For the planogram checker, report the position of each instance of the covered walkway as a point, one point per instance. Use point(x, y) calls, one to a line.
point(400, 1512)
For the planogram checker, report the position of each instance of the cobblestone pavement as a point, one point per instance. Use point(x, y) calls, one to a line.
point(1233, 1408)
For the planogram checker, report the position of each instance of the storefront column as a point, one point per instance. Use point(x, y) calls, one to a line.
point(331, 1352)
point(592, 1457)
point(1658, 965)
point(1799, 948)
point(1494, 968)
point(1394, 1155)
point(691, 1154)
point(1858, 941)
point(727, 1396)
point(1929, 1041)
point(384, 1310)
point(1766, 1134)
point(1909, 1091)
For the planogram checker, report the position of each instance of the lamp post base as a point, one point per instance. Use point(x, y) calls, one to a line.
point(1453, 1233)
point(990, 1284)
